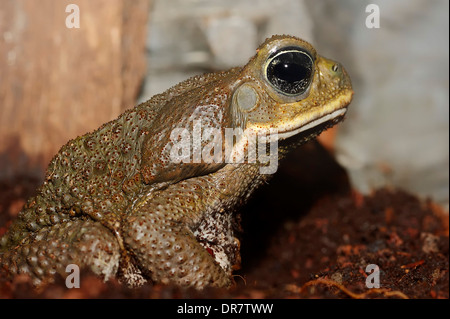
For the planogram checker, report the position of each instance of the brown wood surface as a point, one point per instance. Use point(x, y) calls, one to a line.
point(57, 83)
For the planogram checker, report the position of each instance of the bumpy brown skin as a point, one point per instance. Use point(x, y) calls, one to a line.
point(113, 200)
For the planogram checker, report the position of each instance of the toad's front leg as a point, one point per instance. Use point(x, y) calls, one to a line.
point(167, 250)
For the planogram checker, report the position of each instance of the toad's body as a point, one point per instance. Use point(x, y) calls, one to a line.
point(116, 202)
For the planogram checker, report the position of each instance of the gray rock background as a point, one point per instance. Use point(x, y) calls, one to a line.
point(397, 129)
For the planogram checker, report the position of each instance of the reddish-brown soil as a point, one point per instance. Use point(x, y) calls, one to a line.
point(306, 235)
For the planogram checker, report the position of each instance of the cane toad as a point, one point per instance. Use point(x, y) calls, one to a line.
point(152, 194)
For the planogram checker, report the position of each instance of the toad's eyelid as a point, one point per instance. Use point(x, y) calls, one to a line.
point(277, 51)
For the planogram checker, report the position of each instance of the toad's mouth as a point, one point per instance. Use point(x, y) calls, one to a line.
point(330, 113)
point(326, 118)
point(309, 120)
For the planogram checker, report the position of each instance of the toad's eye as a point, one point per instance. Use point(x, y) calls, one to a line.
point(290, 71)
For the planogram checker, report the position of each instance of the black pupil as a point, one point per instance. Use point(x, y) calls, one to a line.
point(290, 72)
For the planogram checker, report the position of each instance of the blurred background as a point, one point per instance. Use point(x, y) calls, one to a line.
point(58, 82)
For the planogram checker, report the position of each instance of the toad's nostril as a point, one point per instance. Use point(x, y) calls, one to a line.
point(335, 67)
